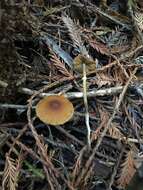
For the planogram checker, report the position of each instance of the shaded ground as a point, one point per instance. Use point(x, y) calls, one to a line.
point(43, 45)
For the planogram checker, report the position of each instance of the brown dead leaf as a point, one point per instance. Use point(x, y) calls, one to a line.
point(103, 79)
point(128, 169)
point(104, 116)
point(99, 47)
point(114, 132)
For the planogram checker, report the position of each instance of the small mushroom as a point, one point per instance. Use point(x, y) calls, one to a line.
point(54, 110)
point(80, 60)
point(83, 64)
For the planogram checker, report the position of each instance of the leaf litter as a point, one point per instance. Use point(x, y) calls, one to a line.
point(101, 146)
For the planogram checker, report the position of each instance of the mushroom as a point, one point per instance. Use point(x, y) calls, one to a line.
point(54, 110)
point(84, 64)
point(80, 60)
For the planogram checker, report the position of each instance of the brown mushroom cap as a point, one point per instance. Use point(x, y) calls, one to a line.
point(81, 59)
point(54, 110)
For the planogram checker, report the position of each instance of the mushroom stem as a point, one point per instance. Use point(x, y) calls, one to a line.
point(86, 107)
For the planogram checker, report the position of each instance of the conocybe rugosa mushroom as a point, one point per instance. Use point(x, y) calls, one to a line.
point(54, 110)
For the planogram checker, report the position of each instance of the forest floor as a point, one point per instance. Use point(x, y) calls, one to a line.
point(89, 54)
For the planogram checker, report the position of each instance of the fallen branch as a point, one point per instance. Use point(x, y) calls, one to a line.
point(93, 93)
